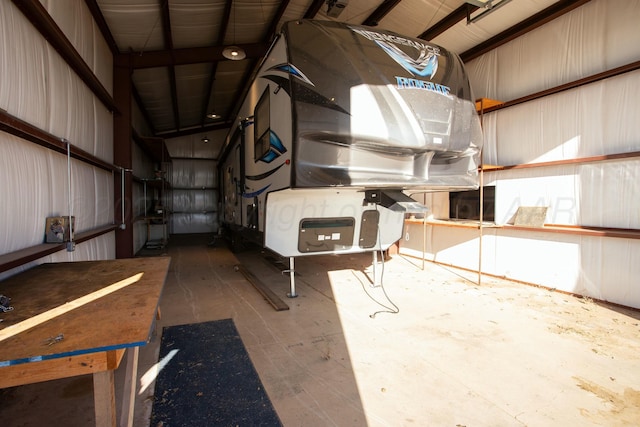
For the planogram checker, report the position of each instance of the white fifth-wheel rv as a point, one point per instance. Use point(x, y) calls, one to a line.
point(338, 122)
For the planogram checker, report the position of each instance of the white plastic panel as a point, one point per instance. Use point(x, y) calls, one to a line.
point(286, 209)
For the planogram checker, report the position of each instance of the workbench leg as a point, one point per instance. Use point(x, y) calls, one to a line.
point(129, 389)
point(104, 398)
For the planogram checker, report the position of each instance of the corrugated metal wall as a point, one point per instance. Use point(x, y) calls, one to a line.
point(194, 182)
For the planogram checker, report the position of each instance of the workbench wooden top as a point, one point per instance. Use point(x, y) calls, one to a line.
point(94, 305)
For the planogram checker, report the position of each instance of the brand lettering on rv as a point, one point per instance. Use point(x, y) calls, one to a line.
point(372, 35)
point(406, 83)
point(425, 65)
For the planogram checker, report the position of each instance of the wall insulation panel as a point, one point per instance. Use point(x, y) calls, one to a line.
point(591, 121)
point(598, 36)
point(100, 248)
point(34, 182)
point(194, 192)
point(38, 87)
point(189, 223)
point(76, 22)
point(602, 268)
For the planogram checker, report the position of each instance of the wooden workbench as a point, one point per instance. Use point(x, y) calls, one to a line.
point(99, 308)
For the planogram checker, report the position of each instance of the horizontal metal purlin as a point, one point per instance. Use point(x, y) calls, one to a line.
point(23, 256)
point(27, 131)
point(192, 55)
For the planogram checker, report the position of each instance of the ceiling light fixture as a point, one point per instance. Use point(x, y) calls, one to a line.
point(234, 53)
point(205, 139)
point(213, 116)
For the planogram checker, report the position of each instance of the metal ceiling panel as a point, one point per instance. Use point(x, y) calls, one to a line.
point(196, 23)
point(182, 41)
point(153, 87)
point(462, 37)
point(191, 84)
point(295, 10)
point(225, 88)
point(135, 25)
point(249, 20)
point(413, 17)
point(354, 13)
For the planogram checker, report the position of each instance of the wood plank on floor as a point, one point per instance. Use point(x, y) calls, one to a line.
point(267, 293)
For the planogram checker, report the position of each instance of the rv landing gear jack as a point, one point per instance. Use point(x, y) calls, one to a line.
point(292, 279)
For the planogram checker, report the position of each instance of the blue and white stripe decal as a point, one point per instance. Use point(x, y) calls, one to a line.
point(255, 193)
point(263, 175)
point(292, 70)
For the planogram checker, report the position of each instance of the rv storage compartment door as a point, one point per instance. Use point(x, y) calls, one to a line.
point(369, 229)
point(325, 234)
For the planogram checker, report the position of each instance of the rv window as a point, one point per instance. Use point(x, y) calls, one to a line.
point(261, 126)
point(466, 204)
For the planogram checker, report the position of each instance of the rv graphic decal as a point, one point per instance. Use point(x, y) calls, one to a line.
point(302, 93)
point(263, 175)
point(425, 65)
point(293, 70)
point(276, 148)
point(255, 193)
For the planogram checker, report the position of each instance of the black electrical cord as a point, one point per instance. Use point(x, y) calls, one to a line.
point(394, 309)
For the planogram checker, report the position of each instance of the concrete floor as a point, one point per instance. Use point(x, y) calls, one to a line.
point(456, 354)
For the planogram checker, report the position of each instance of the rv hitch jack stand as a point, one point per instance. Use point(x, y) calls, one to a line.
point(374, 267)
point(292, 279)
